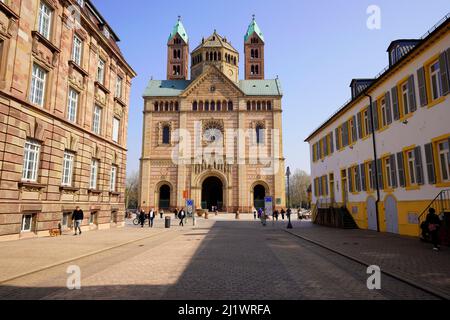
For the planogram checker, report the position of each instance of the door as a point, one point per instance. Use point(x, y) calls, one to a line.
point(372, 214)
point(391, 214)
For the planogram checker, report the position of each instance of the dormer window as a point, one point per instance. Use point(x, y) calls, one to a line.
point(80, 3)
point(106, 32)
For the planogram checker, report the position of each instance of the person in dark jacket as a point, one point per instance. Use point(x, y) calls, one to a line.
point(275, 214)
point(282, 213)
point(78, 217)
point(181, 216)
point(151, 217)
point(434, 224)
point(175, 212)
point(142, 217)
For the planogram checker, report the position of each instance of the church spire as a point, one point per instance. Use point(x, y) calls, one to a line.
point(179, 29)
point(254, 52)
point(178, 53)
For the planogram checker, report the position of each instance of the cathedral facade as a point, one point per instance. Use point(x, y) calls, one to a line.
point(212, 138)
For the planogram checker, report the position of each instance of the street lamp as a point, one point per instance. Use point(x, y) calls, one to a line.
point(288, 174)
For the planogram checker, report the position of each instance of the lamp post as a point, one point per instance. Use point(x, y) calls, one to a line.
point(288, 174)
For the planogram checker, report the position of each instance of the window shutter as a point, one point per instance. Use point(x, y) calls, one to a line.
point(380, 174)
point(345, 134)
point(363, 177)
point(422, 87)
point(357, 179)
point(320, 186)
point(394, 93)
point(350, 180)
point(326, 185)
point(354, 130)
point(331, 142)
point(370, 118)
point(393, 171)
point(374, 177)
point(401, 169)
point(412, 94)
point(336, 135)
point(388, 107)
point(359, 118)
point(449, 147)
point(419, 165)
point(429, 158)
point(444, 67)
point(375, 115)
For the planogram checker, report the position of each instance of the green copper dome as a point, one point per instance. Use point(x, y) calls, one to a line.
point(253, 28)
point(179, 29)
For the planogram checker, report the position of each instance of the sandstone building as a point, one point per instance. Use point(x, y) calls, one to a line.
point(64, 92)
point(201, 134)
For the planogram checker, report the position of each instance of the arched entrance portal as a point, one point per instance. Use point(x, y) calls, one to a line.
point(164, 197)
point(259, 193)
point(212, 193)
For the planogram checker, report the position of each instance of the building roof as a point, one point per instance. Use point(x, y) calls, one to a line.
point(216, 41)
point(253, 28)
point(174, 88)
point(385, 72)
point(180, 30)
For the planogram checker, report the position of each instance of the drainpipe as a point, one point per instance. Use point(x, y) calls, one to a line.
point(374, 146)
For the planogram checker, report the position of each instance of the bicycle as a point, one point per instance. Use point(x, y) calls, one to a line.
point(137, 221)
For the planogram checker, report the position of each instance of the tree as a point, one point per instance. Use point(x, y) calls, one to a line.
point(300, 181)
point(132, 191)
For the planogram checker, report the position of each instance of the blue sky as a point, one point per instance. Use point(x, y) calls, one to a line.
point(315, 47)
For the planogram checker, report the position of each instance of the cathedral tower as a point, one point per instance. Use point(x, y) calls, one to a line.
point(254, 52)
point(178, 53)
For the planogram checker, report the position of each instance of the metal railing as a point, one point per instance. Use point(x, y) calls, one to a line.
point(441, 204)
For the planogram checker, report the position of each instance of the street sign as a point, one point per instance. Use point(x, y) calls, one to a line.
point(190, 207)
point(269, 205)
point(185, 194)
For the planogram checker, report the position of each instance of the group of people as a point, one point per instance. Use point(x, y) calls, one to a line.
point(150, 216)
point(262, 215)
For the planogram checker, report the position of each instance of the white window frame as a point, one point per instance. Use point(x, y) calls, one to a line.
point(101, 71)
point(97, 119)
point(113, 178)
point(387, 166)
point(371, 183)
point(366, 122)
point(119, 87)
point(411, 162)
point(67, 174)
point(443, 155)
point(435, 81)
point(115, 129)
point(77, 50)
point(93, 179)
point(92, 218)
point(31, 161)
point(45, 20)
point(72, 105)
point(405, 95)
point(38, 84)
point(383, 112)
point(31, 219)
point(66, 220)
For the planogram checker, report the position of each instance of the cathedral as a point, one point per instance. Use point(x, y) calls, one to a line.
point(212, 137)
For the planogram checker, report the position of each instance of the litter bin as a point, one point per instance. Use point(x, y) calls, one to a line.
point(167, 223)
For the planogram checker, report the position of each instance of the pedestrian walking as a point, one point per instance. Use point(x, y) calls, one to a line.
point(78, 217)
point(151, 217)
point(434, 224)
point(275, 214)
point(161, 213)
point(283, 213)
point(181, 216)
point(254, 214)
point(142, 217)
point(175, 212)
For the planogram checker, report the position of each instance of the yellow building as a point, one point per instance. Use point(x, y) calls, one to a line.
point(409, 138)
